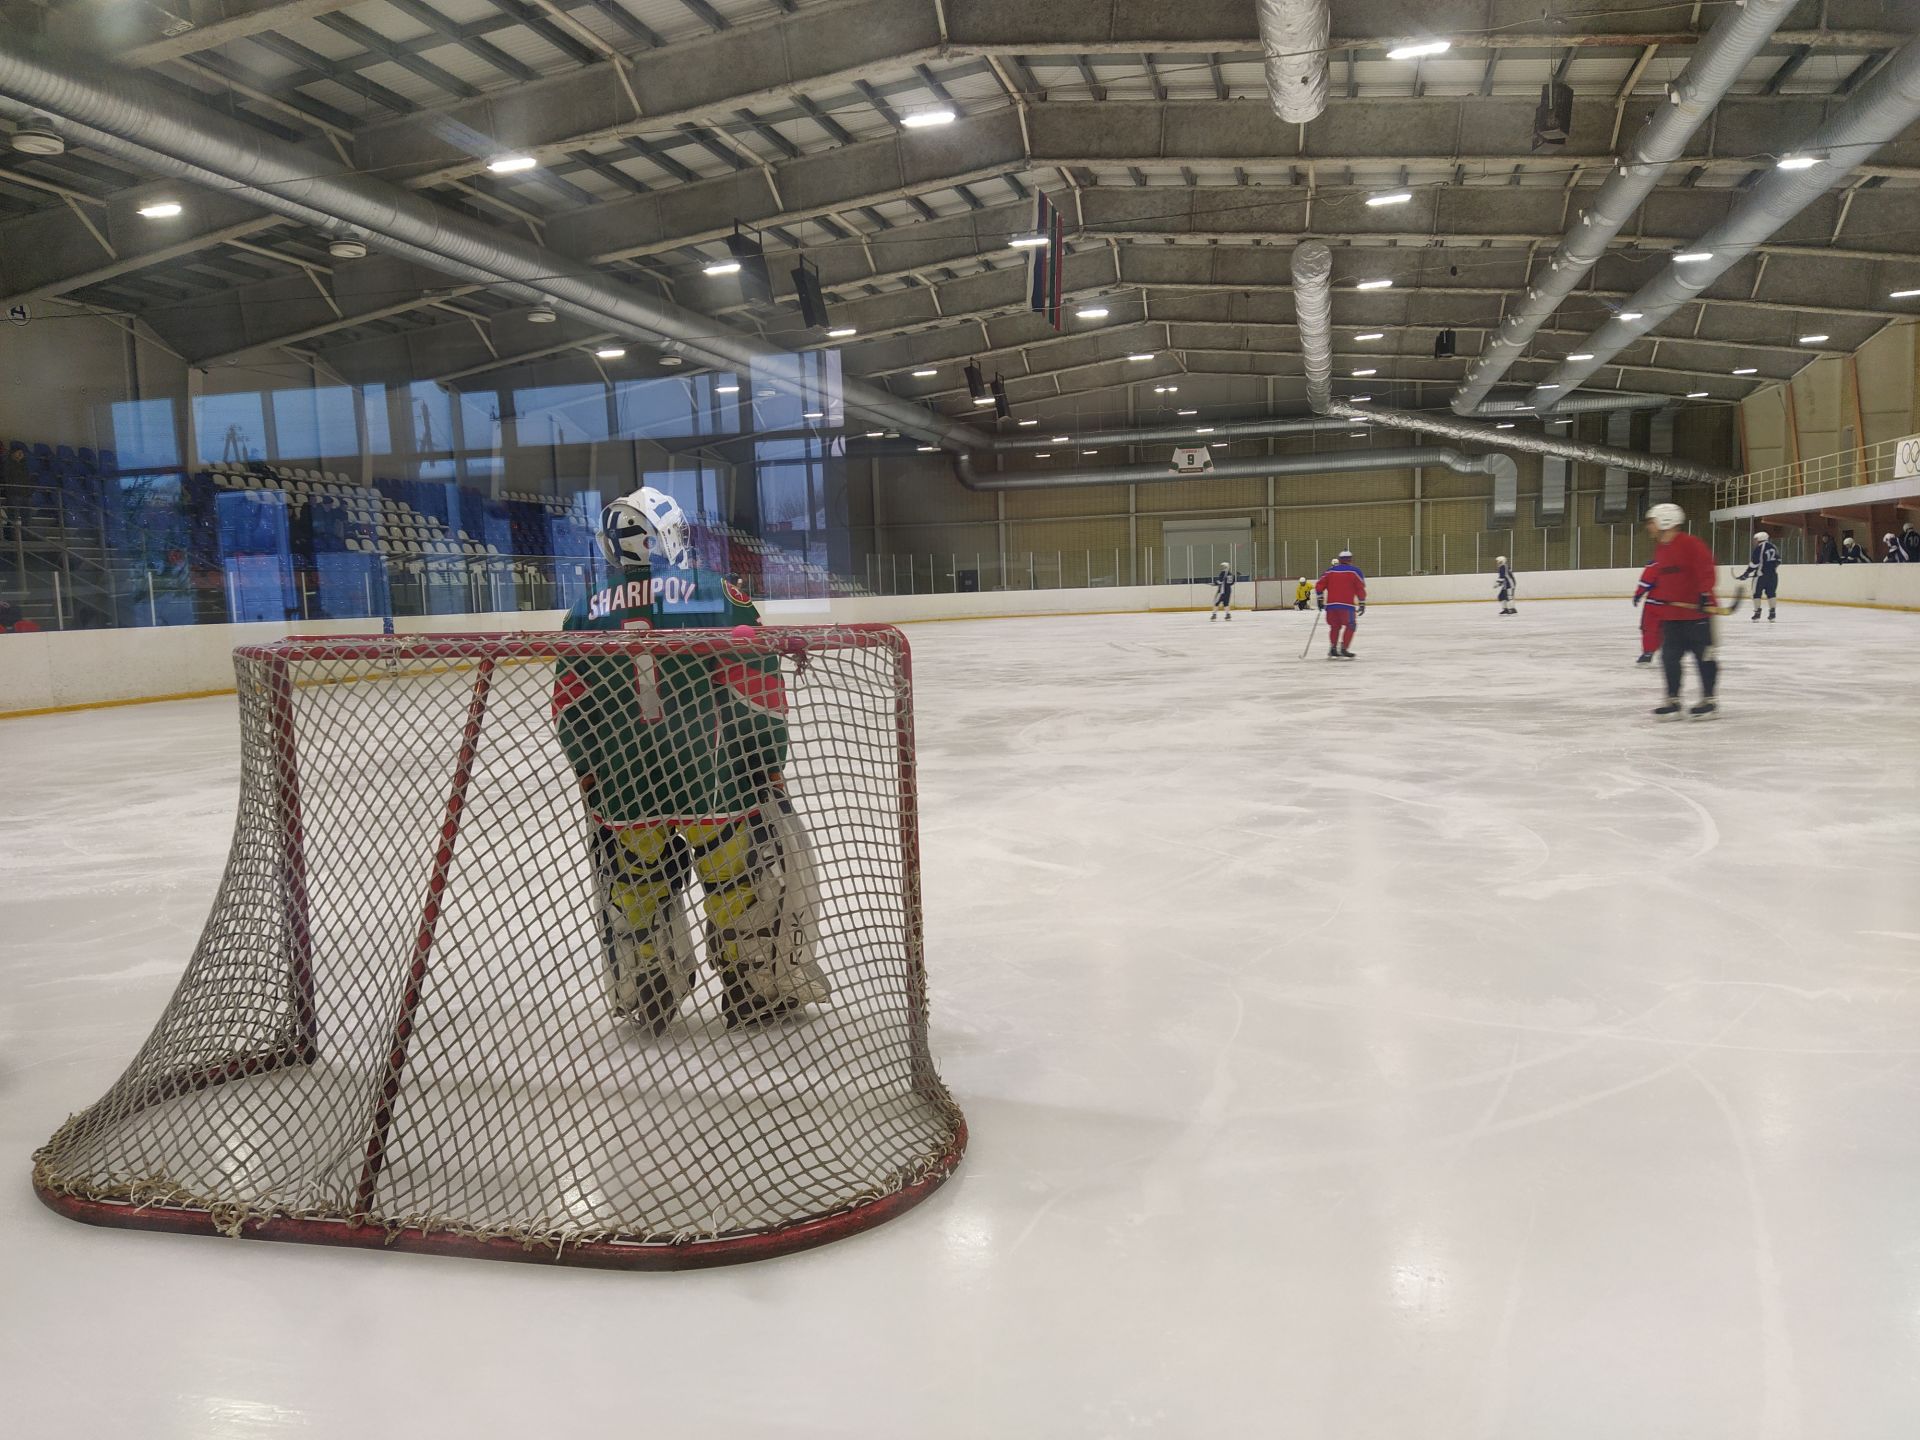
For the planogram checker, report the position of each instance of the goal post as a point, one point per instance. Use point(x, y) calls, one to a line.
point(410, 1021)
point(1275, 594)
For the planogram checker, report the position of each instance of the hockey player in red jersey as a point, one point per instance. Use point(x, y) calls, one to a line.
point(1650, 615)
point(1683, 578)
point(1342, 593)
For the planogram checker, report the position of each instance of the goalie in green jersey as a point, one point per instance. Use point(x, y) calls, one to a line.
point(679, 759)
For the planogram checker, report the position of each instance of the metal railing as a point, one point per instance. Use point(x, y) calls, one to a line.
point(1843, 469)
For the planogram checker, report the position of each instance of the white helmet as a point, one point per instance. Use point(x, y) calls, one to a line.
point(1225, 566)
point(646, 526)
point(1344, 555)
point(1759, 537)
point(1667, 516)
point(1889, 537)
point(1499, 559)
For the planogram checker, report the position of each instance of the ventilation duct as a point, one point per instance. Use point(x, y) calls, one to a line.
point(1717, 63)
point(1878, 111)
point(1505, 406)
point(1187, 433)
point(1313, 306)
point(228, 156)
point(1293, 42)
point(1501, 467)
point(1472, 432)
point(1553, 480)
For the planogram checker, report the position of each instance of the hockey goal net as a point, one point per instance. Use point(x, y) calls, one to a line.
point(590, 948)
point(1275, 594)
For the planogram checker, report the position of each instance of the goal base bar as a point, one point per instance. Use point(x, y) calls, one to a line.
point(595, 1254)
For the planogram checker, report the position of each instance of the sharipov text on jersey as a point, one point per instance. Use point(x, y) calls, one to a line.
point(640, 594)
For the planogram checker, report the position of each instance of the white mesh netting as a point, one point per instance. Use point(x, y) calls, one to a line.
point(602, 948)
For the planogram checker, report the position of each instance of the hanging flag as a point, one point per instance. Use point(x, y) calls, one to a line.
point(1044, 261)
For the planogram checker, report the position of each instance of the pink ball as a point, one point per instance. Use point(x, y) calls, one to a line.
point(743, 632)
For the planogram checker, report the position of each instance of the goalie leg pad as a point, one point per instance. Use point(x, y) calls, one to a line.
point(760, 893)
point(650, 954)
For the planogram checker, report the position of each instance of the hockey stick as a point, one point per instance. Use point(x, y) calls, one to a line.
point(1312, 630)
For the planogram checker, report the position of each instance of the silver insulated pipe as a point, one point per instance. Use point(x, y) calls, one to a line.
point(1718, 61)
point(1313, 305)
point(1877, 112)
point(1293, 43)
point(1501, 467)
point(284, 178)
point(1449, 427)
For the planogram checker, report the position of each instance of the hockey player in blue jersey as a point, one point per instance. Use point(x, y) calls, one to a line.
point(1222, 593)
point(1504, 586)
point(1763, 568)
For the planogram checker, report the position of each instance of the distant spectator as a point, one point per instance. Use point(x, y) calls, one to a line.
point(1827, 554)
point(1896, 553)
point(1910, 542)
point(12, 622)
point(1851, 553)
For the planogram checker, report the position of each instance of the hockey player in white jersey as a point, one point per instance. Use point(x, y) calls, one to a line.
point(1763, 568)
point(1505, 587)
point(1222, 593)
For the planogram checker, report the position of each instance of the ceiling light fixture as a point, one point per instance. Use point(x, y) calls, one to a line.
point(161, 210)
point(721, 267)
point(36, 135)
point(1029, 422)
point(726, 389)
point(1043, 454)
point(1358, 399)
point(1186, 412)
point(813, 415)
point(1747, 370)
point(1143, 355)
point(1062, 440)
point(1696, 394)
point(924, 449)
point(541, 315)
point(1504, 425)
point(1092, 312)
point(875, 434)
point(1374, 285)
point(1554, 386)
point(1902, 294)
point(668, 360)
point(1796, 162)
point(1419, 49)
point(1811, 339)
point(1630, 315)
point(609, 352)
point(1356, 434)
point(1372, 335)
point(511, 164)
point(841, 332)
point(1203, 429)
point(1398, 197)
point(1363, 374)
point(1030, 240)
point(1582, 355)
point(925, 374)
point(921, 119)
point(1692, 257)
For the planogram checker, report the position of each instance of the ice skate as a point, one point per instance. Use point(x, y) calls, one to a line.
point(1705, 709)
point(1667, 708)
point(1646, 659)
point(1346, 655)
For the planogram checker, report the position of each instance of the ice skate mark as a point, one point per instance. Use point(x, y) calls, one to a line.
point(1894, 934)
point(1779, 1386)
point(1709, 829)
point(1493, 1401)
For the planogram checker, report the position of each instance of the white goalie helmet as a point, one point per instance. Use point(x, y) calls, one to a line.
point(1499, 559)
point(1759, 537)
point(646, 526)
point(1225, 566)
point(1667, 516)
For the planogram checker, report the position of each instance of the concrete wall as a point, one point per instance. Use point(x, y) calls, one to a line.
point(90, 667)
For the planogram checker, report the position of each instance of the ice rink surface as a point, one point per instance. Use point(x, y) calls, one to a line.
point(1428, 1046)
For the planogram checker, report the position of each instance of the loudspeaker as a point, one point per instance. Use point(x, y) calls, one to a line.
point(1001, 406)
point(976, 382)
point(1443, 344)
point(1553, 118)
point(756, 285)
point(808, 295)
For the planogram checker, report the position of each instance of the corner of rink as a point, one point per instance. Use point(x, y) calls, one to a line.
point(81, 669)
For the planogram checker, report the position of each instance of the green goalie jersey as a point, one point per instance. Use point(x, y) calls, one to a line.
point(670, 737)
